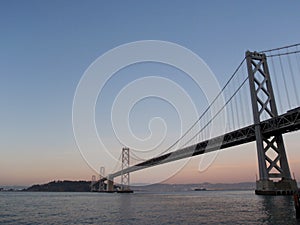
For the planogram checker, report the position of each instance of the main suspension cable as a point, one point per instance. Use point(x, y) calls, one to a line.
point(207, 109)
point(220, 110)
point(275, 49)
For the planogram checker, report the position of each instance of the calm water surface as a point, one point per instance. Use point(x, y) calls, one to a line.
point(206, 207)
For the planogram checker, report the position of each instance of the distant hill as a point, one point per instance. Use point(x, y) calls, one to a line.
point(62, 186)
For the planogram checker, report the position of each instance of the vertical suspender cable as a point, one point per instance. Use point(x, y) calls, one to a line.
point(201, 134)
point(293, 78)
point(240, 101)
point(232, 115)
point(228, 117)
point(236, 109)
point(276, 84)
point(206, 128)
point(117, 164)
point(245, 97)
point(284, 82)
point(298, 59)
point(298, 64)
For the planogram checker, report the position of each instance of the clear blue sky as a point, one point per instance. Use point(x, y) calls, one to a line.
point(45, 47)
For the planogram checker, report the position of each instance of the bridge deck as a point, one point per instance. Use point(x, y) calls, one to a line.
point(284, 123)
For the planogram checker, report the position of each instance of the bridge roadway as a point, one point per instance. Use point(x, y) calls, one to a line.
point(287, 122)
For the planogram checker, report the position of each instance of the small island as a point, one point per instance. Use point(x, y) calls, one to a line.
point(62, 186)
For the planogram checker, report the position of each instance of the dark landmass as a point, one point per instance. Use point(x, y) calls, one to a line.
point(84, 186)
point(62, 186)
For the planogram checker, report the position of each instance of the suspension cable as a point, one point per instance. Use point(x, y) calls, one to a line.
point(217, 112)
point(135, 156)
point(275, 49)
point(283, 53)
point(117, 164)
point(207, 109)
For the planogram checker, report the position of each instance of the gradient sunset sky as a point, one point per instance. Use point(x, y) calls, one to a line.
point(46, 46)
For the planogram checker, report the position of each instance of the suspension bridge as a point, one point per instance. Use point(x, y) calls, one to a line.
point(268, 80)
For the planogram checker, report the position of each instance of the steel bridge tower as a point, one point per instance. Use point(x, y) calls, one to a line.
point(125, 178)
point(274, 173)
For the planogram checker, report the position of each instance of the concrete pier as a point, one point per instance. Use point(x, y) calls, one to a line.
point(282, 187)
point(110, 185)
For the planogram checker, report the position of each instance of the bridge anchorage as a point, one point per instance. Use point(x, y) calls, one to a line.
point(263, 102)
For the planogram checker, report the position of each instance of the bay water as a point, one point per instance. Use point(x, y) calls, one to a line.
point(191, 207)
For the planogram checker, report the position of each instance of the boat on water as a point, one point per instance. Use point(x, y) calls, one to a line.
point(200, 189)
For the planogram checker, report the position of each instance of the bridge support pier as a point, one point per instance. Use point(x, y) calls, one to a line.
point(274, 172)
point(110, 184)
point(282, 187)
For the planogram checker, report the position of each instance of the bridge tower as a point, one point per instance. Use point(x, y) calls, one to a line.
point(101, 176)
point(93, 183)
point(125, 178)
point(274, 173)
